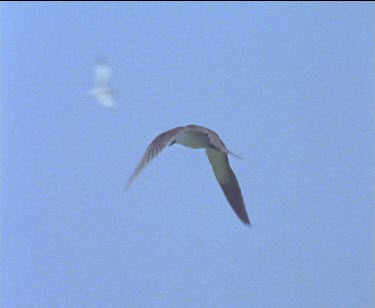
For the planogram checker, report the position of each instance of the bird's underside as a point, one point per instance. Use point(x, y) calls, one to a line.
point(195, 136)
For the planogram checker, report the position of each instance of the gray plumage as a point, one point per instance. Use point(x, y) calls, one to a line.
point(195, 136)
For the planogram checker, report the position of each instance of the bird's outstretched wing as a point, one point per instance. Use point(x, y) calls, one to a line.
point(157, 145)
point(228, 182)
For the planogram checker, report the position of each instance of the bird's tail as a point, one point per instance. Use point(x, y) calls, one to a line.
point(235, 155)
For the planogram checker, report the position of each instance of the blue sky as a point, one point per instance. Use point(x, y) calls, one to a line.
point(288, 86)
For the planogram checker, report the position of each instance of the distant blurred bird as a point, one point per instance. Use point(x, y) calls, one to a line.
point(194, 136)
point(102, 90)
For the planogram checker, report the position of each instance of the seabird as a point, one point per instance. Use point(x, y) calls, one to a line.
point(103, 91)
point(194, 136)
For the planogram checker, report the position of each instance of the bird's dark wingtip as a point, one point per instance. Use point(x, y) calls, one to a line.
point(126, 187)
point(247, 223)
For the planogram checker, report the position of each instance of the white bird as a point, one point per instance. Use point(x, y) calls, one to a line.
point(194, 136)
point(103, 91)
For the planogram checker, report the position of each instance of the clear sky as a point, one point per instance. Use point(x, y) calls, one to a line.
point(288, 86)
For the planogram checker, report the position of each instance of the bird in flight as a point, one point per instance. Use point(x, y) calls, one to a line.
point(194, 136)
point(102, 90)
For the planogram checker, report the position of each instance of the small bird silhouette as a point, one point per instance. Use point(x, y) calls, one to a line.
point(102, 90)
point(194, 136)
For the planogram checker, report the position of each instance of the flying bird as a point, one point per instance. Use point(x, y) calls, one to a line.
point(102, 90)
point(194, 136)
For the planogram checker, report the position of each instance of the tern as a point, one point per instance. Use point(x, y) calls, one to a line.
point(103, 91)
point(195, 137)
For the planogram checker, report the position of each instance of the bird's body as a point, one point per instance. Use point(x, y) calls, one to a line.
point(192, 139)
point(194, 136)
point(103, 91)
